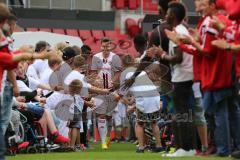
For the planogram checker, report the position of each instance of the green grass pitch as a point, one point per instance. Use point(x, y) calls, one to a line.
point(117, 151)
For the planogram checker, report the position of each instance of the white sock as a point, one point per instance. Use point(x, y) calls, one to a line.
point(102, 129)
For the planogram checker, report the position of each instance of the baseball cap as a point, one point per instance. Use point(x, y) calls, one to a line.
point(68, 53)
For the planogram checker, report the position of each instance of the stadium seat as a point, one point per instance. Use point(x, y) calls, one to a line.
point(90, 41)
point(97, 34)
point(95, 49)
point(134, 31)
point(45, 29)
point(111, 34)
point(58, 30)
point(129, 22)
point(132, 51)
point(85, 34)
point(119, 4)
point(32, 29)
point(132, 4)
point(72, 32)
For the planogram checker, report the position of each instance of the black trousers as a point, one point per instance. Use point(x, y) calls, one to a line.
point(183, 126)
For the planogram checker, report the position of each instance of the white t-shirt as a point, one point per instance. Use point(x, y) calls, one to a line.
point(144, 91)
point(184, 71)
point(33, 77)
point(45, 78)
point(40, 65)
point(23, 87)
point(77, 75)
point(106, 67)
point(33, 83)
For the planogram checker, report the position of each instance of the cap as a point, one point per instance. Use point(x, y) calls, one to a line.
point(68, 53)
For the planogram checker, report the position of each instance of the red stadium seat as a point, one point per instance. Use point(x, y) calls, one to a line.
point(95, 48)
point(132, 51)
point(32, 29)
point(45, 29)
point(119, 4)
point(59, 31)
point(72, 32)
point(134, 31)
point(130, 22)
point(90, 41)
point(97, 34)
point(111, 34)
point(132, 4)
point(85, 34)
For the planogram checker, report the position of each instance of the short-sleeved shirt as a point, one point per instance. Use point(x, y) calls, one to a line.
point(40, 66)
point(106, 67)
point(146, 94)
point(183, 71)
point(77, 75)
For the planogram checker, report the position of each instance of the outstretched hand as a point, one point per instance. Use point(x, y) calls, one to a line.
point(154, 51)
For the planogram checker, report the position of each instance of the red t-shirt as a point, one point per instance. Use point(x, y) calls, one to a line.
point(217, 65)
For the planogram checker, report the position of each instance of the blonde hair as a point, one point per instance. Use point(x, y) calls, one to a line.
point(61, 45)
point(75, 87)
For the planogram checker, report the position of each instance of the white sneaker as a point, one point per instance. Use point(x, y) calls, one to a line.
point(182, 153)
point(53, 146)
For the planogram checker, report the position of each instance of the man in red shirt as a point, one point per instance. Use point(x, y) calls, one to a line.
point(9, 62)
point(216, 78)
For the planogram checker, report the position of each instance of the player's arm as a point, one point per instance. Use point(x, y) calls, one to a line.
point(176, 58)
point(99, 90)
point(30, 56)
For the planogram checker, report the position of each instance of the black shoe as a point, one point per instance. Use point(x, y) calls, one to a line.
point(158, 149)
point(139, 150)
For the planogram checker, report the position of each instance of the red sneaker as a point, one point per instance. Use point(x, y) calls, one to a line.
point(58, 138)
point(23, 145)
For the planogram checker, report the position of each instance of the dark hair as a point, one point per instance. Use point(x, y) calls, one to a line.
point(212, 1)
point(105, 39)
point(41, 45)
point(164, 4)
point(140, 40)
point(178, 9)
point(85, 49)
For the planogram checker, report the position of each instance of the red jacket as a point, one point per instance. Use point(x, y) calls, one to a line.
point(217, 65)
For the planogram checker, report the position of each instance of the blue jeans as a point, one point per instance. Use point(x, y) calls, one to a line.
point(226, 111)
point(6, 107)
point(5, 115)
